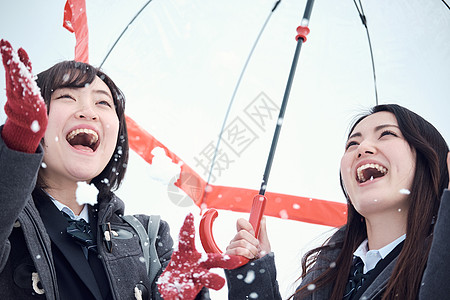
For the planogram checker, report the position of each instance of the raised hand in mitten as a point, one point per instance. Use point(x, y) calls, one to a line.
point(25, 108)
point(188, 270)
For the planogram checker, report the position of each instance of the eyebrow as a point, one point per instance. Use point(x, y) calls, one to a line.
point(379, 127)
point(104, 93)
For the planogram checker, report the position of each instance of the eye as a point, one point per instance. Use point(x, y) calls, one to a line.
point(349, 144)
point(388, 132)
point(104, 102)
point(66, 96)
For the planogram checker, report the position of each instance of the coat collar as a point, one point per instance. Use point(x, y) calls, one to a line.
point(39, 245)
point(56, 224)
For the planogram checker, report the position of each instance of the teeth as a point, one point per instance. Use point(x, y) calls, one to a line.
point(359, 171)
point(92, 133)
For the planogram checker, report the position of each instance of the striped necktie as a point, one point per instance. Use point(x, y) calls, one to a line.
point(356, 278)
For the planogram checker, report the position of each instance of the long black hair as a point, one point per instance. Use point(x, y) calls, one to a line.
point(73, 74)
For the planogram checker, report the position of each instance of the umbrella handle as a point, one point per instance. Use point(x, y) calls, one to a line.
point(206, 223)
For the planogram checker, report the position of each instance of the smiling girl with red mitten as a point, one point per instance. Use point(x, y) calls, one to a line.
point(52, 244)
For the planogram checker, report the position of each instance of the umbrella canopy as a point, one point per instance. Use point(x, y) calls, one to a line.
point(178, 64)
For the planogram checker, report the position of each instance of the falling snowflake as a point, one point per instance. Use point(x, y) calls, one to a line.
point(86, 194)
point(253, 295)
point(162, 168)
point(66, 77)
point(405, 191)
point(284, 214)
point(250, 277)
point(280, 121)
point(35, 126)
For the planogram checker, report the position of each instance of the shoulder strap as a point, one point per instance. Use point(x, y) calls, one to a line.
point(155, 264)
point(148, 239)
point(137, 226)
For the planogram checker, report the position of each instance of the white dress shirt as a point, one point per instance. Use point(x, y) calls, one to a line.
point(64, 208)
point(370, 258)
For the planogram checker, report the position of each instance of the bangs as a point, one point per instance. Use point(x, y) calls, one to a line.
point(67, 74)
point(76, 76)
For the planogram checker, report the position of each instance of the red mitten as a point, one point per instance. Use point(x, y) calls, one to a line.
point(188, 270)
point(25, 108)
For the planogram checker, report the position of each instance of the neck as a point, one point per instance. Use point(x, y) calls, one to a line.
point(383, 230)
point(67, 196)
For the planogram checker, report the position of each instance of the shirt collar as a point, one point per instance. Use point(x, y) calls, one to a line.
point(64, 208)
point(388, 248)
point(84, 214)
point(370, 258)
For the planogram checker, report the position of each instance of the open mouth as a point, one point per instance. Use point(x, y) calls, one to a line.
point(83, 139)
point(370, 172)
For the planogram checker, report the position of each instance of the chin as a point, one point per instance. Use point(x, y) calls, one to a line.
point(367, 202)
point(83, 175)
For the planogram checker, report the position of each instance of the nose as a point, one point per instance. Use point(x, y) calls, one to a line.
point(86, 112)
point(366, 148)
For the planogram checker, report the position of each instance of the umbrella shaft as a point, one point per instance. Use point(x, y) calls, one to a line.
point(287, 91)
point(308, 9)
